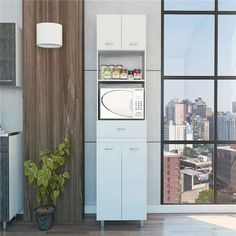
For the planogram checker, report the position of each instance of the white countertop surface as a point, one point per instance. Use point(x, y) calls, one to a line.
point(4, 133)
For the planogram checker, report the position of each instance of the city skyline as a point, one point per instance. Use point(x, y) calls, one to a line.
point(191, 90)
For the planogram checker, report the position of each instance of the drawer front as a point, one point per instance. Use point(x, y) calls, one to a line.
point(121, 129)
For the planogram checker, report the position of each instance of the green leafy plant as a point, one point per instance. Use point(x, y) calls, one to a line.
point(48, 175)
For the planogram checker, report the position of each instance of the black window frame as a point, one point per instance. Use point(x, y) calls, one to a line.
point(215, 142)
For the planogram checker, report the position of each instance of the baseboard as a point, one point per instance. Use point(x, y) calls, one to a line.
point(227, 208)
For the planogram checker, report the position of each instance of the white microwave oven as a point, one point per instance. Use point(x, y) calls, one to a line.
point(121, 103)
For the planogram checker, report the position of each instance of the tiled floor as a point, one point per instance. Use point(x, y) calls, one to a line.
point(157, 224)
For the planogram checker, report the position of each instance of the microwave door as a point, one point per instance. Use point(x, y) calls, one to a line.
point(116, 104)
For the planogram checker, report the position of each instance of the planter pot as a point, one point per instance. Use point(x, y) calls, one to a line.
point(45, 217)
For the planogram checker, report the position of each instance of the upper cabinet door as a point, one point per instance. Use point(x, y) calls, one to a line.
point(109, 32)
point(7, 53)
point(133, 32)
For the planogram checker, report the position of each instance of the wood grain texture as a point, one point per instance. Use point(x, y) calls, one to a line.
point(53, 96)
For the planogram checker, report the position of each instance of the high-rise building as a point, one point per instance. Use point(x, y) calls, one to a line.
point(209, 112)
point(222, 123)
point(189, 132)
point(170, 112)
point(171, 177)
point(177, 132)
point(226, 126)
point(199, 108)
point(180, 113)
point(211, 127)
point(175, 111)
point(198, 128)
point(226, 169)
point(206, 127)
point(234, 107)
point(232, 127)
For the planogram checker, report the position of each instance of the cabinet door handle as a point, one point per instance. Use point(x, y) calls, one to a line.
point(133, 44)
point(109, 44)
point(121, 129)
point(133, 149)
point(108, 149)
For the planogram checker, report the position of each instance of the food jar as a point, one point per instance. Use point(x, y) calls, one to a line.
point(111, 66)
point(102, 69)
point(116, 73)
point(107, 73)
point(124, 74)
point(119, 66)
point(130, 75)
point(137, 74)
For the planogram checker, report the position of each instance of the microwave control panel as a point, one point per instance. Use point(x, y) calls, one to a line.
point(138, 100)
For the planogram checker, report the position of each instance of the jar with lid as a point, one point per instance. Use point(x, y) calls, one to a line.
point(111, 66)
point(130, 75)
point(137, 74)
point(124, 74)
point(116, 73)
point(107, 73)
point(102, 69)
point(119, 66)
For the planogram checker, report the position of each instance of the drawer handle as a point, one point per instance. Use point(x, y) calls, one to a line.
point(133, 44)
point(108, 149)
point(109, 44)
point(121, 129)
point(133, 149)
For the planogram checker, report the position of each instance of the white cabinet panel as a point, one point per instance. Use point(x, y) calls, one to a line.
point(134, 181)
point(122, 129)
point(109, 32)
point(133, 32)
point(108, 181)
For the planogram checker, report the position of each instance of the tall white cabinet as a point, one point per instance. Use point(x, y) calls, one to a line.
point(122, 141)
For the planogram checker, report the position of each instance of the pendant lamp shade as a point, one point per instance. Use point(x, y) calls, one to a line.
point(49, 35)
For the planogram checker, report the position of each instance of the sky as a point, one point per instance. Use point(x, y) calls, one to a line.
point(189, 50)
point(223, 5)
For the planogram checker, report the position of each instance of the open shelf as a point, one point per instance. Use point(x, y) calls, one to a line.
point(121, 80)
point(130, 60)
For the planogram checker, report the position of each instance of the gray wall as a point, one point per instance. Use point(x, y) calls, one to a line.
point(152, 9)
point(11, 98)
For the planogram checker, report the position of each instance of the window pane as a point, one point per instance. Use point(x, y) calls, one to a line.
point(226, 119)
point(188, 173)
point(190, 5)
point(189, 45)
point(226, 45)
point(227, 5)
point(226, 173)
point(188, 110)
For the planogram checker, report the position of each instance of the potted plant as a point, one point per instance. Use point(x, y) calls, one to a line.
point(48, 177)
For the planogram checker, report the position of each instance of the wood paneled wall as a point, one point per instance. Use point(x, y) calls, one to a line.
point(53, 96)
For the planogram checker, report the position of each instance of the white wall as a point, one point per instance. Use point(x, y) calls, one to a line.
point(152, 9)
point(11, 104)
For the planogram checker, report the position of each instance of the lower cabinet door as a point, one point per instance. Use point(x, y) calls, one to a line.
point(134, 181)
point(108, 181)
